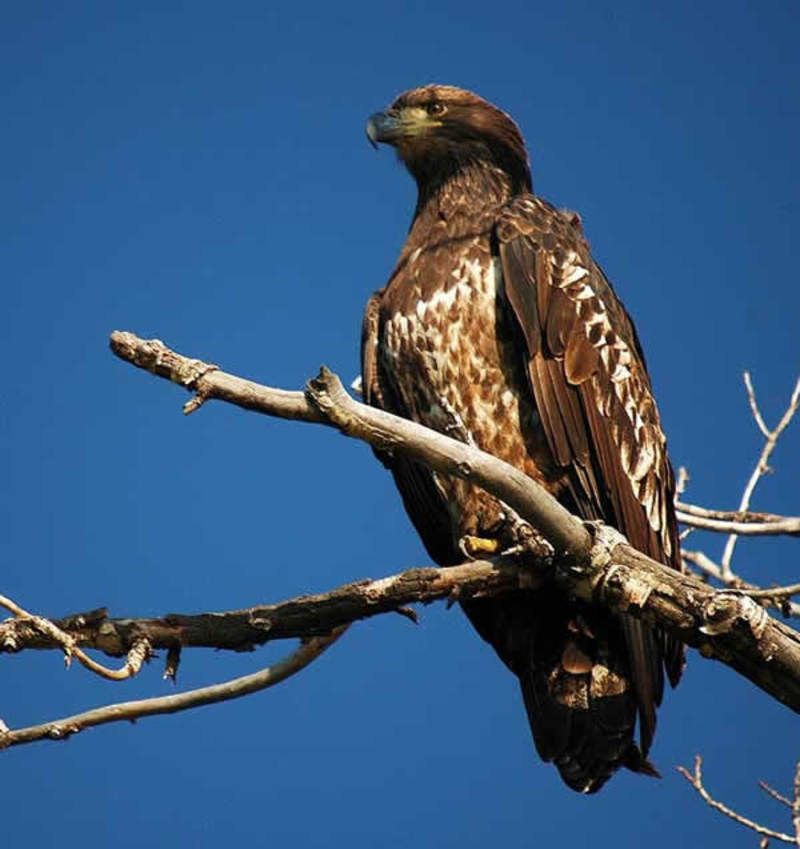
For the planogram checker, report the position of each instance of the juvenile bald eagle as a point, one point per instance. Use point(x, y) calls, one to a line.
point(498, 328)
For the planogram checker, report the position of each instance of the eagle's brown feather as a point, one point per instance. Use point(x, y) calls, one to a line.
point(498, 328)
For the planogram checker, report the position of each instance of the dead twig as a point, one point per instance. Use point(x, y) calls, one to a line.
point(762, 466)
point(773, 592)
point(696, 780)
point(778, 797)
point(736, 522)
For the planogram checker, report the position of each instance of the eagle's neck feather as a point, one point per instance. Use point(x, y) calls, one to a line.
point(459, 197)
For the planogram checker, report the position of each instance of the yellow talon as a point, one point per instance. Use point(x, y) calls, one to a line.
point(479, 546)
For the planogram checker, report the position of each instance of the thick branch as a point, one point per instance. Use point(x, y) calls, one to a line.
point(777, 598)
point(724, 625)
point(305, 616)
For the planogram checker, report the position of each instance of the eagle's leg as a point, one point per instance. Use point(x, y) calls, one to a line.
point(519, 538)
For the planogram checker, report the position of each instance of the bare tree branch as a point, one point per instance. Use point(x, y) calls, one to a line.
point(746, 517)
point(598, 565)
point(591, 561)
point(723, 625)
point(326, 402)
point(60, 729)
point(743, 521)
point(773, 592)
point(695, 778)
point(751, 400)
point(762, 466)
point(778, 797)
point(737, 522)
point(796, 803)
point(771, 599)
point(305, 616)
point(138, 650)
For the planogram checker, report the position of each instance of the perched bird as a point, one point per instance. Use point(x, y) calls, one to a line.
point(498, 328)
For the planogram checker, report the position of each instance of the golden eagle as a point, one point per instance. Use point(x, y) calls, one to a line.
point(498, 328)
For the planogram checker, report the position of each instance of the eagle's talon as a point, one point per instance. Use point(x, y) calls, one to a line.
point(474, 547)
point(453, 597)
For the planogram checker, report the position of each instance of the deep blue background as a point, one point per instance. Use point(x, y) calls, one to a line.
point(198, 172)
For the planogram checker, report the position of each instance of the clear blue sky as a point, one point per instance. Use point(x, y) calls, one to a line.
point(198, 172)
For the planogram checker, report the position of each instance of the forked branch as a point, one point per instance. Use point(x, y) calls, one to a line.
point(138, 648)
point(771, 438)
point(743, 521)
point(695, 778)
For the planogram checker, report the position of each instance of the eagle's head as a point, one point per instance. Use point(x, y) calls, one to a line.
point(438, 130)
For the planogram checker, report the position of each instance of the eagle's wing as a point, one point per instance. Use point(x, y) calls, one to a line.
point(593, 395)
point(422, 498)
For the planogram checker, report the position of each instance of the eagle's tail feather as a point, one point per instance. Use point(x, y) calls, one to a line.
point(587, 736)
point(572, 667)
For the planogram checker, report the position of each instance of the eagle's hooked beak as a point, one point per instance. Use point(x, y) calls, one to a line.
point(383, 127)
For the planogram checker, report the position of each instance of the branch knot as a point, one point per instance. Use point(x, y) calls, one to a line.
point(725, 609)
point(585, 573)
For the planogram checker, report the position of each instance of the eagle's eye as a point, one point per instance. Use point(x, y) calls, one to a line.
point(435, 108)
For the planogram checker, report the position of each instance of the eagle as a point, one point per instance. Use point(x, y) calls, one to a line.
point(497, 328)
